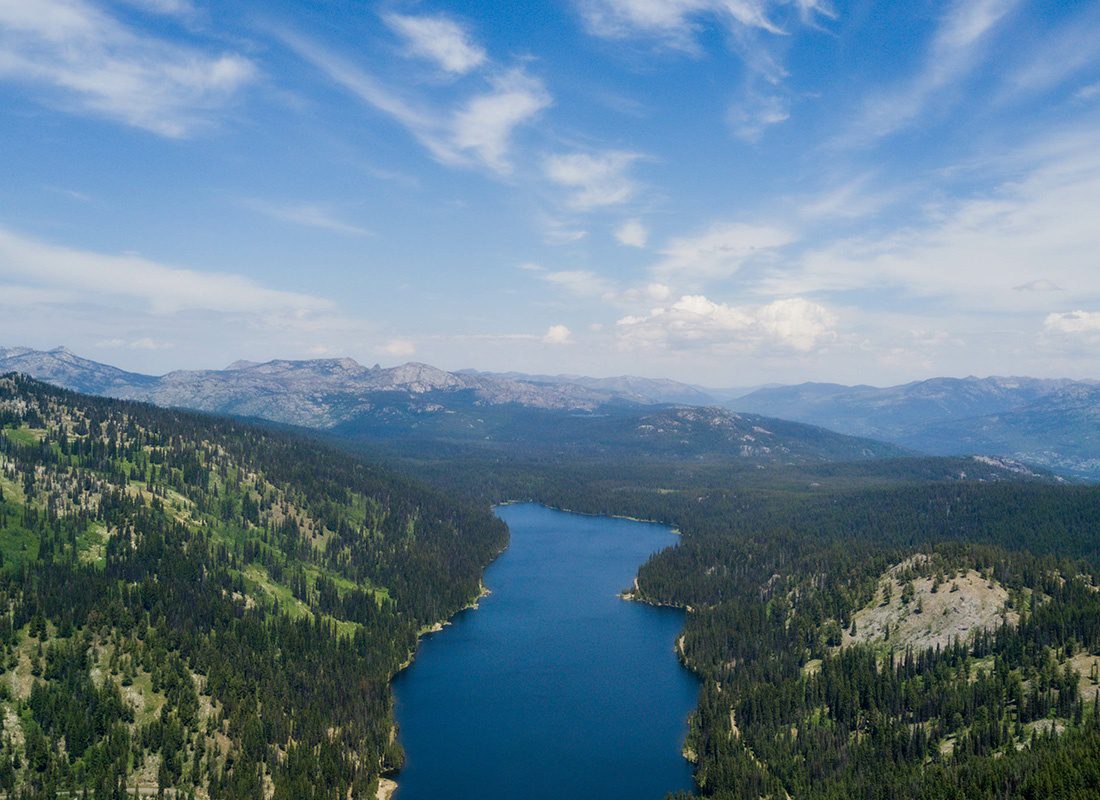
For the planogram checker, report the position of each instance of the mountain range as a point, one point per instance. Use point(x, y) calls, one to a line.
point(422, 406)
point(1053, 424)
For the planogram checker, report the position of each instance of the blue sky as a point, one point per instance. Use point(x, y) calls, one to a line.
point(728, 192)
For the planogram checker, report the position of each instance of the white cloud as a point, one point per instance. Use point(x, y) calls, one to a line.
point(558, 334)
point(979, 252)
point(360, 83)
point(956, 48)
point(719, 251)
point(172, 8)
point(484, 126)
point(309, 215)
point(675, 22)
point(402, 348)
point(654, 292)
point(477, 131)
point(559, 232)
point(439, 39)
point(1057, 55)
point(751, 116)
point(161, 289)
point(853, 198)
point(695, 322)
point(596, 179)
point(1088, 92)
point(632, 233)
point(679, 24)
point(1073, 322)
point(85, 61)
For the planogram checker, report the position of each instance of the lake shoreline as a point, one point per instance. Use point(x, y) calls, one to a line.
point(509, 577)
point(672, 528)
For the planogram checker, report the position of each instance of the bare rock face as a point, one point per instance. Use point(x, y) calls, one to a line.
point(931, 612)
point(316, 393)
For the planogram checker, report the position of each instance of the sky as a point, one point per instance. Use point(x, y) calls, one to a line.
point(726, 192)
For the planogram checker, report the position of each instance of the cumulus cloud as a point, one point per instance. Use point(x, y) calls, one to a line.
point(695, 322)
point(1073, 322)
point(439, 39)
point(719, 251)
point(632, 233)
point(596, 180)
point(558, 334)
point(83, 60)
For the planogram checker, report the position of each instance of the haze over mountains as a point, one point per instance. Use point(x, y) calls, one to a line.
point(422, 405)
point(1049, 423)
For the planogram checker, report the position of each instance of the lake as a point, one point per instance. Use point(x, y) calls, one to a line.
point(555, 687)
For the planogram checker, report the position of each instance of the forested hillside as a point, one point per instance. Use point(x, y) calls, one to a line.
point(883, 631)
point(208, 607)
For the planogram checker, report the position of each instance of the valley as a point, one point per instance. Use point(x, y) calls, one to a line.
point(843, 603)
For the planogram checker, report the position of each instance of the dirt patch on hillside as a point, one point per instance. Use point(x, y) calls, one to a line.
point(927, 612)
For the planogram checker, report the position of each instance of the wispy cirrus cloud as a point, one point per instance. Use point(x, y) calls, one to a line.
point(475, 130)
point(79, 58)
point(718, 251)
point(959, 43)
point(674, 22)
point(440, 39)
point(1038, 227)
point(156, 287)
point(309, 215)
point(679, 24)
point(1056, 56)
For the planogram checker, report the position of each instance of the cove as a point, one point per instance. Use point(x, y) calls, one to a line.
point(554, 687)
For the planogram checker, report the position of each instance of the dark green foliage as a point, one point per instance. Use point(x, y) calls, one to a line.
point(772, 567)
point(255, 592)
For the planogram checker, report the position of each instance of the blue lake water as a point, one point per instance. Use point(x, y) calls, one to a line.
point(554, 687)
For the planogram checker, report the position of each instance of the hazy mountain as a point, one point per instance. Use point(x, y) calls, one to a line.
point(420, 403)
point(316, 393)
point(616, 431)
point(649, 391)
point(1052, 423)
point(62, 368)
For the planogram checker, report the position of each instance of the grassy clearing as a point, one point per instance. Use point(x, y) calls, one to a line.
point(24, 435)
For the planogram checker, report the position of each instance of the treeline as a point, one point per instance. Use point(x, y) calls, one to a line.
point(773, 566)
point(206, 606)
